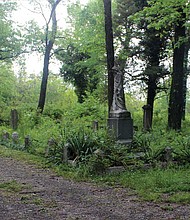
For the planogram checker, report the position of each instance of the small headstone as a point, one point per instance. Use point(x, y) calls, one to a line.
point(15, 137)
point(65, 153)
point(27, 141)
point(168, 154)
point(95, 125)
point(51, 144)
point(5, 136)
point(99, 153)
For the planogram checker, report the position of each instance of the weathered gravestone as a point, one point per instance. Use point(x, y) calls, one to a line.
point(51, 148)
point(27, 142)
point(95, 125)
point(14, 119)
point(168, 155)
point(5, 136)
point(15, 138)
point(51, 145)
point(120, 123)
point(65, 153)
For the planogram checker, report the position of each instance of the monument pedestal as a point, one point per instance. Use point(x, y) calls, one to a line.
point(122, 129)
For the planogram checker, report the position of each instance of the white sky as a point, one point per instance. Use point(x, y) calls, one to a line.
point(34, 62)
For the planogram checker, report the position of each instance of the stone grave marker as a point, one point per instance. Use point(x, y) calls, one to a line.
point(14, 119)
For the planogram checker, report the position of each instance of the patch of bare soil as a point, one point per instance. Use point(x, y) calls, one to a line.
point(47, 196)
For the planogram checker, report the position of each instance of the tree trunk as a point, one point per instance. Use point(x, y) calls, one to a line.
point(153, 46)
point(49, 45)
point(109, 49)
point(176, 101)
point(151, 94)
point(44, 81)
point(187, 47)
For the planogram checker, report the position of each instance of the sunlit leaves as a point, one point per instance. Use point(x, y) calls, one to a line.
point(162, 14)
point(9, 35)
point(7, 82)
point(82, 48)
point(87, 29)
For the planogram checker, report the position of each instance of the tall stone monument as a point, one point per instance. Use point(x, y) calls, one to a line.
point(120, 123)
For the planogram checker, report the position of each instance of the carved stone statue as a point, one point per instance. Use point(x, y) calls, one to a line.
point(118, 108)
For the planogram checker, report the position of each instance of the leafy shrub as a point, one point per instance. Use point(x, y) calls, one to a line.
point(55, 153)
point(81, 144)
point(182, 153)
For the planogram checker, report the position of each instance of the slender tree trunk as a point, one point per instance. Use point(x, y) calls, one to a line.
point(176, 101)
point(151, 94)
point(42, 98)
point(109, 49)
point(49, 45)
point(187, 47)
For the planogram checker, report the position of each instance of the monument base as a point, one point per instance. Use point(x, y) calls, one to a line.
point(122, 129)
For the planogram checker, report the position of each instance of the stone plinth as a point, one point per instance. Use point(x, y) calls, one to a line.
point(122, 129)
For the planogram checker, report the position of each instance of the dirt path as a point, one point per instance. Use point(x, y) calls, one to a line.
point(47, 196)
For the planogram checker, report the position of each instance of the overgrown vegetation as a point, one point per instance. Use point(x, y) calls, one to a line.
point(66, 136)
point(92, 152)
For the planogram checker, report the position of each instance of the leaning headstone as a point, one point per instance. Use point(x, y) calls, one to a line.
point(15, 137)
point(14, 119)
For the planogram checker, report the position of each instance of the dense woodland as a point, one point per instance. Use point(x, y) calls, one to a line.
point(151, 45)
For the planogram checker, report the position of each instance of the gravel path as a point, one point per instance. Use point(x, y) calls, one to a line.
point(46, 196)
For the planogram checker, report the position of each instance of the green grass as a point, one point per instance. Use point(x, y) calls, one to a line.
point(11, 186)
point(179, 197)
point(170, 184)
point(22, 156)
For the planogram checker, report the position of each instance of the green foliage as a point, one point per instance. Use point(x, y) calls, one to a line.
point(95, 152)
point(68, 123)
point(82, 52)
point(182, 153)
point(55, 151)
point(159, 185)
point(10, 45)
point(90, 110)
point(40, 129)
point(27, 89)
point(80, 145)
point(7, 90)
point(73, 70)
point(88, 23)
point(16, 40)
point(167, 12)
